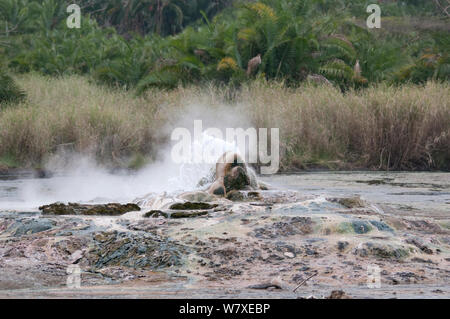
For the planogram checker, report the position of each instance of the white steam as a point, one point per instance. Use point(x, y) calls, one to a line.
point(78, 178)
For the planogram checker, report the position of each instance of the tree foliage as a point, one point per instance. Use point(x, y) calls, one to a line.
point(165, 43)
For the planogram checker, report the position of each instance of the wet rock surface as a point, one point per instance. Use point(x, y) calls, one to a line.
point(264, 246)
point(112, 209)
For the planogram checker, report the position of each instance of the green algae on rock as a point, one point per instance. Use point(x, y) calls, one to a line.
point(156, 213)
point(111, 209)
point(176, 214)
point(361, 227)
point(235, 196)
point(188, 214)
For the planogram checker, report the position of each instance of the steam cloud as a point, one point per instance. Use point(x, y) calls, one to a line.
point(79, 178)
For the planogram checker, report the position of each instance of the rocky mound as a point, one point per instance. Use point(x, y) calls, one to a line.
point(112, 209)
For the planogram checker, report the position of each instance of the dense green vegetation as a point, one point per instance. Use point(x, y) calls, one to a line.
point(144, 43)
point(351, 96)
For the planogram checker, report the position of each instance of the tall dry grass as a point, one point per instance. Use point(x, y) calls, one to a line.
point(382, 127)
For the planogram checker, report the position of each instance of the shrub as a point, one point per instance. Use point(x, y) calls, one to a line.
point(9, 91)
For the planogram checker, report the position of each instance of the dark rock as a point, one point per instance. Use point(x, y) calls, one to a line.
point(228, 272)
point(349, 202)
point(292, 226)
point(416, 241)
point(305, 268)
point(286, 248)
point(176, 214)
point(156, 213)
point(342, 245)
point(235, 196)
point(112, 209)
point(407, 276)
point(311, 252)
point(197, 196)
point(254, 195)
point(219, 191)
